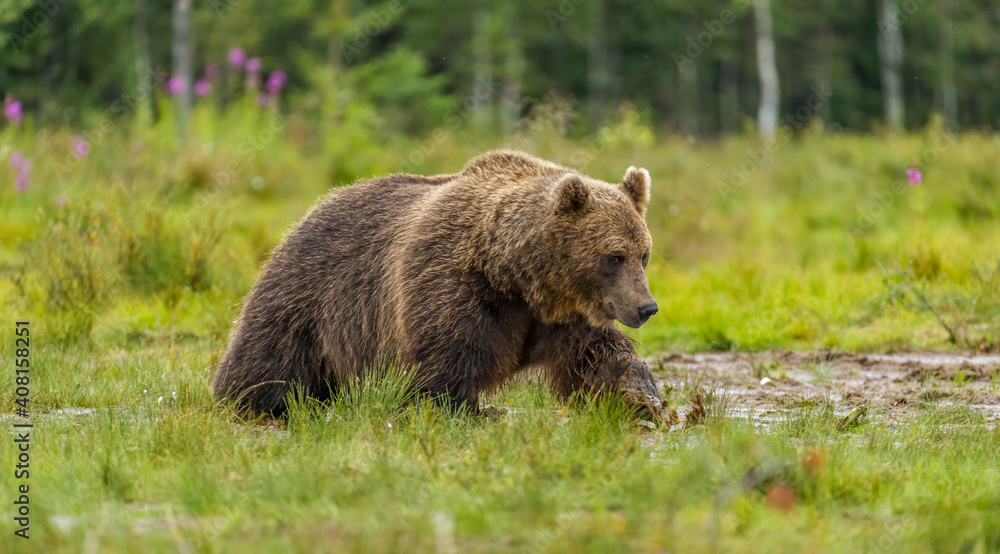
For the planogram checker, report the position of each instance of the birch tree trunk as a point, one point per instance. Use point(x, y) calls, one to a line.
point(687, 117)
point(339, 13)
point(890, 50)
point(183, 67)
point(767, 67)
point(826, 43)
point(513, 75)
point(729, 98)
point(482, 48)
point(143, 63)
point(949, 94)
point(597, 64)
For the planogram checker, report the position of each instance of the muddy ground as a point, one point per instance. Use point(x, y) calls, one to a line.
point(764, 385)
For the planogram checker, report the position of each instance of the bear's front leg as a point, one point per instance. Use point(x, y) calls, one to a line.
point(637, 384)
point(580, 358)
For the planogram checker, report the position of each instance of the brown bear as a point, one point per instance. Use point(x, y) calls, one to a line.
point(471, 278)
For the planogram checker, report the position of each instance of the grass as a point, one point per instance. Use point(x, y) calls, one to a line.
point(148, 470)
point(133, 284)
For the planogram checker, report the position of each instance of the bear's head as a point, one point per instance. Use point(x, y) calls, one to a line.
point(601, 230)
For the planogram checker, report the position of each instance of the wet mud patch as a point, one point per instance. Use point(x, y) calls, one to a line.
point(762, 386)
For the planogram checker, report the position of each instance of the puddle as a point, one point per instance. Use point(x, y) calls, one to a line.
point(761, 386)
point(936, 359)
point(145, 519)
point(72, 412)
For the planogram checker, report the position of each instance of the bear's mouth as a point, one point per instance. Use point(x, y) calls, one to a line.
point(609, 311)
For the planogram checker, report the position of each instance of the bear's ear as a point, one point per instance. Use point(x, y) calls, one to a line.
point(636, 185)
point(572, 195)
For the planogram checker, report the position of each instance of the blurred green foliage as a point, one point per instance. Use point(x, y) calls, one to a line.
point(756, 245)
point(65, 58)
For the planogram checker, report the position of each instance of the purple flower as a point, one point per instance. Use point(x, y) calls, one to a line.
point(211, 71)
point(12, 110)
point(16, 159)
point(237, 57)
point(175, 85)
point(202, 88)
point(80, 146)
point(253, 65)
point(263, 99)
point(914, 177)
point(23, 175)
point(61, 200)
point(276, 80)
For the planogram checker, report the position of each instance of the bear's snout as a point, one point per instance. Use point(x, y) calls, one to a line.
point(647, 311)
point(637, 317)
point(634, 305)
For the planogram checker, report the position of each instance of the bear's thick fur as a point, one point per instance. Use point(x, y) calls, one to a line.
point(471, 278)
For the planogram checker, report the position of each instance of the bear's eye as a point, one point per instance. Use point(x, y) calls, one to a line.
point(613, 261)
point(645, 259)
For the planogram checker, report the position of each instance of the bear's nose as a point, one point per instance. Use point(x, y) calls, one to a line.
point(647, 311)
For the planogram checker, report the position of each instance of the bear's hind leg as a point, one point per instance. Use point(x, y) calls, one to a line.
point(258, 375)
